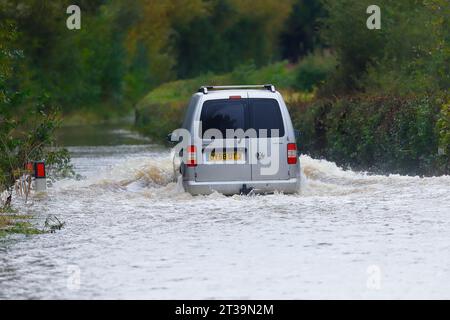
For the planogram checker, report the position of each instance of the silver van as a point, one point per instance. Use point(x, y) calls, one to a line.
point(237, 140)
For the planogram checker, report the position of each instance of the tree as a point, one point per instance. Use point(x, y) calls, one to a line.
point(230, 33)
point(301, 32)
point(27, 123)
point(405, 56)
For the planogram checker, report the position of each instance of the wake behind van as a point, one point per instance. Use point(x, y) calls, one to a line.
point(238, 140)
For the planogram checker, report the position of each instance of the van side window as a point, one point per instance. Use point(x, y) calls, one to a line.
point(266, 114)
point(223, 115)
point(189, 114)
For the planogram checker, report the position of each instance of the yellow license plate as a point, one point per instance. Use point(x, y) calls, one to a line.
point(225, 156)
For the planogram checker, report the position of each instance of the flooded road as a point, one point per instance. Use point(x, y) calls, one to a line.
point(133, 233)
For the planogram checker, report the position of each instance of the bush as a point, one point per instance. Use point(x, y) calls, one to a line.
point(443, 129)
point(313, 71)
point(27, 122)
point(160, 119)
point(379, 134)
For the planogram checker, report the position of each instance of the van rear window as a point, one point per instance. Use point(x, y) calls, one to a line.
point(259, 114)
point(266, 114)
point(223, 115)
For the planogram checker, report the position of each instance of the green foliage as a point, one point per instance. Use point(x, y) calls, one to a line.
point(21, 227)
point(28, 133)
point(125, 48)
point(310, 120)
point(279, 73)
point(27, 123)
point(300, 34)
point(410, 54)
point(160, 119)
point(88, 65)
point(13, 223)
point(230, 33)
point(59, 164)
point(162, 110)
point(380, 134)
point(313, 70)
point(443, 129)
point(382, 108)
point(356, 46)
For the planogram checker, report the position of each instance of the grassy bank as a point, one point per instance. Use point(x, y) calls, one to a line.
point(99, 114)
point(162, 110)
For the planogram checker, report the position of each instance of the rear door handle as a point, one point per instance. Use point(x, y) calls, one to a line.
point(260, 155)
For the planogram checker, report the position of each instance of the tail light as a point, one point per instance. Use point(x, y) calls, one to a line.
point(292, 153)
point(191, 156)
point(39, 171)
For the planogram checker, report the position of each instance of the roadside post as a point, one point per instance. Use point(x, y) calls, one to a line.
point(40, 176)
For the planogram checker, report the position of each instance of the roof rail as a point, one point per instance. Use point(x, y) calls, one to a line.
point(269, 87)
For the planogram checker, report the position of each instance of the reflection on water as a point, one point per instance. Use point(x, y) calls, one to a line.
point(131, 232)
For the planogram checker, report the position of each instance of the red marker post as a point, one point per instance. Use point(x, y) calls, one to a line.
point(40, 176)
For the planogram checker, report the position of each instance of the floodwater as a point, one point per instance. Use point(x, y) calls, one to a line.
point(131, 232)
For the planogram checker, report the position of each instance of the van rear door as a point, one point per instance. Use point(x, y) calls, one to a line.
point(269, 149)
point(224, 158)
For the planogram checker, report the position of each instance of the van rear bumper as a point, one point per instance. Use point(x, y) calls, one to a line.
point(234, 187)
